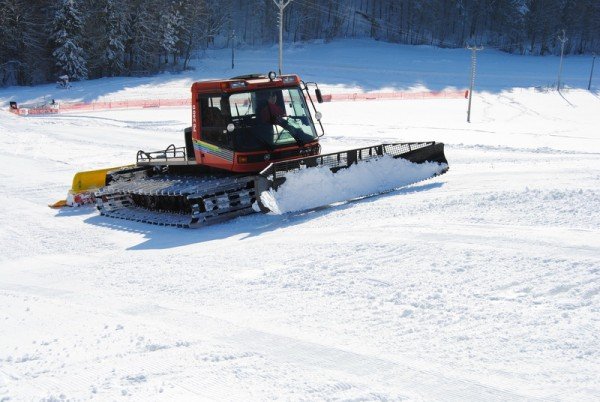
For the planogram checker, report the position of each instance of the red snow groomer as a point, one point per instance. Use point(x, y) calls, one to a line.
point(247, 134)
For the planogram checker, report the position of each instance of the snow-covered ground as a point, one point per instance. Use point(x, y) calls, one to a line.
point(481, 284)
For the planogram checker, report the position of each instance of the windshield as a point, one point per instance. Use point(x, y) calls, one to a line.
point(264, 119)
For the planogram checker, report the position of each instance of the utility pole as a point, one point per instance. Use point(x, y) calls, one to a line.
point(281, 5)
point(474, 50)
point(562, 40)
point(592, 72)
point(232, 49)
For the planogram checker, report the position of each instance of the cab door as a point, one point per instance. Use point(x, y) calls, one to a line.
point(214, 147)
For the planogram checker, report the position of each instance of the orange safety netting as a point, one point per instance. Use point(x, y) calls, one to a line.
point(66, 107)
point(340, 97)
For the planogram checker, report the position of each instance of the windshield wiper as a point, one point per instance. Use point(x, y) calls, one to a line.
point(292, 131)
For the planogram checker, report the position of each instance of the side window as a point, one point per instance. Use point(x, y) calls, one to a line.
point(214, 115)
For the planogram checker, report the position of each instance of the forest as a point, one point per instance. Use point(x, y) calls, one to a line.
point(85, 39)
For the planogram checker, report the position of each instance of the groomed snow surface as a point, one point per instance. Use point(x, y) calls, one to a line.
point(480, 284)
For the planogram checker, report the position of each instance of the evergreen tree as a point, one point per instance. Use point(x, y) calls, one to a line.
point(12, 44)
point(110, 48)
point(198, 27)
point(141, 37)
point(169, 28)
point(67, 29)
point(95, 38)
point(22, 47)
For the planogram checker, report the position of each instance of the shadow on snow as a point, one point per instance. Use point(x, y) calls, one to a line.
point(247, 227)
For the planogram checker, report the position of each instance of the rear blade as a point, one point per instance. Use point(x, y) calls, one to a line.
point(325, 179)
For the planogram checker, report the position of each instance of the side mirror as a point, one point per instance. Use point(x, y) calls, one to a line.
point(319, 96)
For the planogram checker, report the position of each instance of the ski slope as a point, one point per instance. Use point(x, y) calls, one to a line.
point(481, 284)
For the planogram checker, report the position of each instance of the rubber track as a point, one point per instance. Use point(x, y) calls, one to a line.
point(191, 201)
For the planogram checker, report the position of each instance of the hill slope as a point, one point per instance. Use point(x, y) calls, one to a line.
point(480, 284)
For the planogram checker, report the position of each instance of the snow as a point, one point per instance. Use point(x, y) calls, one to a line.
point(311, 188)
point(480, 284)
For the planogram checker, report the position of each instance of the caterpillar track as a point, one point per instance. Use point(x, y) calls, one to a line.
point(153, 195)
point(175, 200)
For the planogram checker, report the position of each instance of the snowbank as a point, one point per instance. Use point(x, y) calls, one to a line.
point(310, 188)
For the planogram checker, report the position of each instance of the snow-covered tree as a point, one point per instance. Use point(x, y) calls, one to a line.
point(170, 26)
point(142, 37)
point(67, 29)
point(200, 24)
point(107, 27)
point(95, 38)
point(22, 45)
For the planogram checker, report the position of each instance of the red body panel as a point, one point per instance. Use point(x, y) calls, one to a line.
point(210, 155)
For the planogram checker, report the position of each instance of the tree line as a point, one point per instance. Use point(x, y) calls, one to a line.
point(43, 39)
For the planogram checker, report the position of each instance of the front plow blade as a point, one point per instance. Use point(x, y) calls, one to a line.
point(83, 187)
point(326, 179)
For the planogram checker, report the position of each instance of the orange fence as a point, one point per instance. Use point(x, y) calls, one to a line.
point(125, 104)
point(393, 96)
point(66, 107)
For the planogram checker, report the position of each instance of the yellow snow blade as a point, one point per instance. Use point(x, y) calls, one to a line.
point(90, 179)
point(86, 182)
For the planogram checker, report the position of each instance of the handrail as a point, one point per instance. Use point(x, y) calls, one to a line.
point(171, 152)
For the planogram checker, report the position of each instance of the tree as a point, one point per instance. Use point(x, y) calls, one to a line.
point(169, 29)
point(200, 24)
point(97, 38)
point(141, 37)
point(22, 47)
point(109, 32)
point(67, 28)
point(542, 21)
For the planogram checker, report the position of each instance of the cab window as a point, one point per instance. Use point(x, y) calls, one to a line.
point(214, 116)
